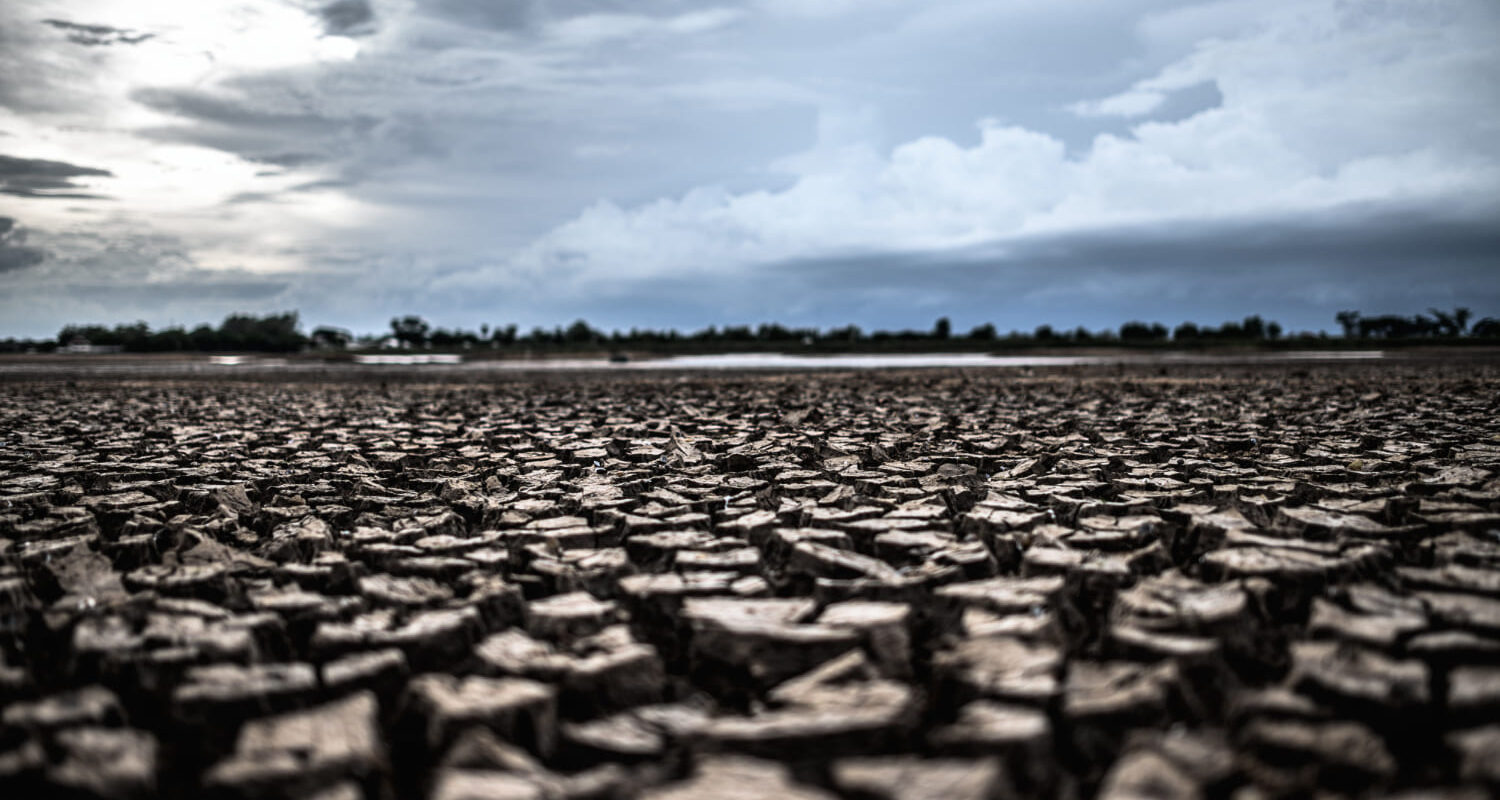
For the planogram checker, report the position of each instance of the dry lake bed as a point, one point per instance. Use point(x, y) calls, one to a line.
point(1170, 581)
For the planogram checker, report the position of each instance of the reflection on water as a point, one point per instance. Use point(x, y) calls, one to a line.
point(447, 363)
point(409, 361)
point(887, 361)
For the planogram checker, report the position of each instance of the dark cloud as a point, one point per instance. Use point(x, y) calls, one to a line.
point(287, 160)
point(97, 35)
point(14, 254)
point(1187, 101)
point(318, 186)
point(348, 18)
point(272, 197)
point(34, 177)
point(231, 111)
point(504, 15)
point(1300, 269)
point(237, 125)
point(250, 197)
point(185, 288)
point(515, 15)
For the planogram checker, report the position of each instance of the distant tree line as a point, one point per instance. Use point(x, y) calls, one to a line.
point(274, 333)
point(415, 332)
point(280, 333)
point(1441, 324)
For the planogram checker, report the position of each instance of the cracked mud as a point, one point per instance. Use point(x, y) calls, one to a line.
point(1255, 583)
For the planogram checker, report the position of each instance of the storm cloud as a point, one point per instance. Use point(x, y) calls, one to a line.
point(662, 163)
point(35, 177)
point(14, 254)
point(348, 18)
point(96, 35)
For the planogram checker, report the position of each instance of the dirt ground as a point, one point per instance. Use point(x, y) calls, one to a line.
point(1169, 582)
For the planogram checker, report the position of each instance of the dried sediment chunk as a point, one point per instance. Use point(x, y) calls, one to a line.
point(1290, 565)
point(1001, 668)
point(637, 734)
point(759, 640)
point(1377, 624)
point(567, 617)
point(227, 693)
point(1355, 677)
point(300, 541)
point(841, 707)
point(520, 711)
point(436, 638)
point(212, 582)
point(821, 561)
point(1452, 578)
point(90, 706)
point(886, 628)
point(1466, 611)
point(1474, 693)
point(382, 671)
point(1020, 736)
point(104, 762)
point(1118, 692)
point(1144, 773)
point(1001, 595)
point(1296, 756)
point(1320, 524)
point(1478, 750)
point(1173, 602)
point(296, 754)
point(913, 778)
point(830, 730)
point(738, 778)
point(600, 673)
point(1183, 762)
point(386, 590)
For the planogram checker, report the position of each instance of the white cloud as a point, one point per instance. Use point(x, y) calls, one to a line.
point(1325, 106)
point(1131, 103)
point(592, 30)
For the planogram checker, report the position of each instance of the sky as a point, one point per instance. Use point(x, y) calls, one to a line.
point(662, 163)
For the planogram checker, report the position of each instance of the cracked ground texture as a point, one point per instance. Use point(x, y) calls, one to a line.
point(1242, 582)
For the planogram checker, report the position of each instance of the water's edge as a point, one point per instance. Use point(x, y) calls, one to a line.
point(230, 365)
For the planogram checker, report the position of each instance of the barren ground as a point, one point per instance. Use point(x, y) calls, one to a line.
point(1249, 582)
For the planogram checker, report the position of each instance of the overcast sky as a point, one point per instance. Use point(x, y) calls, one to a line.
point(814, 162)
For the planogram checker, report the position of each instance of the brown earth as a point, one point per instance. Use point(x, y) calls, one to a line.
point(1268, 581)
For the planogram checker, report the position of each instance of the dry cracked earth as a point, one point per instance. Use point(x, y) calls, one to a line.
point(1262, 583)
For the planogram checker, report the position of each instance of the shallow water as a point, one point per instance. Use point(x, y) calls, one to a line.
point(889, 361)
point(443, 363)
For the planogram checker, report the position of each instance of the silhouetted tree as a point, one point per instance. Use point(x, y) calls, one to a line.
point(1451, 324)
point(1487, 328)
point(1141, 332)
point(410, 330)
point(204, 338)
point(942, 329)
point(328, 337)
point(848, 333)
point(580, 333)
point(1349, 320)
point(983, 333)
